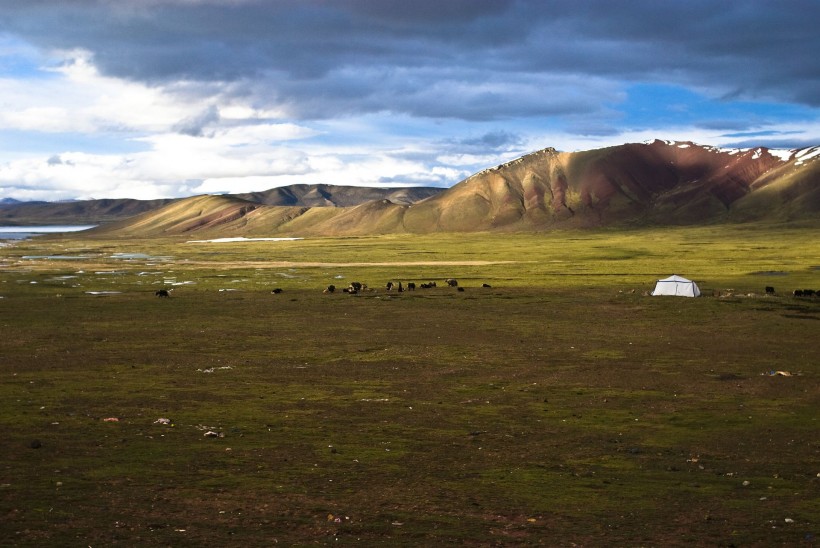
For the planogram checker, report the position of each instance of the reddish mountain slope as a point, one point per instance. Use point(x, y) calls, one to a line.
point(659, 182)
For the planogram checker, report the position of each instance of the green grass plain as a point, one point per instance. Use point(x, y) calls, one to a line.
point(560, 406)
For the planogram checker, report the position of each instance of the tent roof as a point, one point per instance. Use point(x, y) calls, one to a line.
point(676, 278)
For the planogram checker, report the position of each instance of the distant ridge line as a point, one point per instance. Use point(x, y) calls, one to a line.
point(657, 183)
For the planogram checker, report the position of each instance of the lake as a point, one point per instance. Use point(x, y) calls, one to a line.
point(23, 232)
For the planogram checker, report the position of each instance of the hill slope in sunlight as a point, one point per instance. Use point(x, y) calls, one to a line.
point(657, 183)
point(14, 212)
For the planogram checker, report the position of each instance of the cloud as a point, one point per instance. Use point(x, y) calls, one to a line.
point(242, 158)
point(166, 96)
point(774, 143)
point(315, 44)
point(437, 177)
point(195, 125)
point(75, 97)
point(57, 161)
point(492, 141)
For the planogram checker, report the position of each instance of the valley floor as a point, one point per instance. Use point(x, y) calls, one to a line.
point(558, 406)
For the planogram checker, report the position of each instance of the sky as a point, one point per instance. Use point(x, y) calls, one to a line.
point(169, 98)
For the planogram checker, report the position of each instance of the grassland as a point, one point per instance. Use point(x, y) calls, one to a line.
point(558, 406)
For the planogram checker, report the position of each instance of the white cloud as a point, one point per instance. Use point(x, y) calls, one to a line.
point(237, 111)
point(182, 157)
point(474, 159)
point(74, 97)
point(263, 133)
point(238, 144)
point(75, 175)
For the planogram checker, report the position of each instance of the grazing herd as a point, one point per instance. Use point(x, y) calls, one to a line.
point(805, 292)
point(358, 287)
point(797, 292)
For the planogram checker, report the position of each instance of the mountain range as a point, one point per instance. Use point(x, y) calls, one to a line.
point(14, 212)
point(636, 184)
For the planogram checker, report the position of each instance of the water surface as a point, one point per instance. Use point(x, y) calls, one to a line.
point(25, 232)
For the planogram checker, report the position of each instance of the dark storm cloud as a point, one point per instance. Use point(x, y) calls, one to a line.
point(463, 93)
point(470, 59)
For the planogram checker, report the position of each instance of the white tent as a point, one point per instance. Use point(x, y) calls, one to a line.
point(676, 286)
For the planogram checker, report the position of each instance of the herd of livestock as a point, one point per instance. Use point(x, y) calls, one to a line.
point(357, 287)
point(797, 292)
